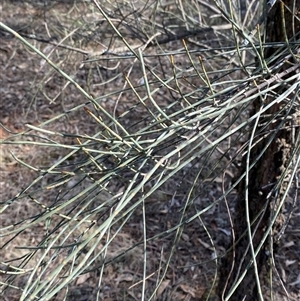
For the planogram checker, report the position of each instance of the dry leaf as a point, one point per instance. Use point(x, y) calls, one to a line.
point(125, 277)
point(226, 232)
point(289, 262)
point(162, 287)
point(185, 237)
point(205, 245)
point(82, 278)
point(289, 244)
point(187, 289)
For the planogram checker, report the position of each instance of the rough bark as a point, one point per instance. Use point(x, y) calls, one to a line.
point(268, 169)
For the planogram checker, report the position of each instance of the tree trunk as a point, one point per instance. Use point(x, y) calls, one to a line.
point(271, 155)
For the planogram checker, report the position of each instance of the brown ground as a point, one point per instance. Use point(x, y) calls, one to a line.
point(32, 92)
